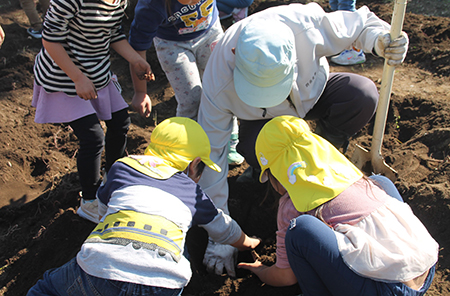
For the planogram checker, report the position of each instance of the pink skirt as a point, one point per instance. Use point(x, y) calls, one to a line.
point(60, 108)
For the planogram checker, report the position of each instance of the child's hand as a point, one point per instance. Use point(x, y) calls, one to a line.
point(85, 88)
point(255, 267)
point(142, 104)
point(143, 70)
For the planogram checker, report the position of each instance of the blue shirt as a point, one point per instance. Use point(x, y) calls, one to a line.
point(183, 23)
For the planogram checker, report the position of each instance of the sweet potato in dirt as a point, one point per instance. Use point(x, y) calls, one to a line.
point(39, 228)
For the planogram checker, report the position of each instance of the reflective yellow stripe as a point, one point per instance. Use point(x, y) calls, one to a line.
point(143, 230)
point(154, 167)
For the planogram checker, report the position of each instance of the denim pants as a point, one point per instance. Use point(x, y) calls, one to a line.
point(92, 139)
point(343, 5)
point(314, 257)
point(71, 280)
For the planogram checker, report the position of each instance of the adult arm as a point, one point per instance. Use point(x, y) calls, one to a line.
point(336, 31)
point(360, 29)
point(217, 124)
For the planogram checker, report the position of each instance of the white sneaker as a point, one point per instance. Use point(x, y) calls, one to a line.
point(349, 57)
point(89, 210)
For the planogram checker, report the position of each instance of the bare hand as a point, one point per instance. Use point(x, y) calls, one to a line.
point(143, 70)
point(142, 104)
point(85, 88)
point(256, 267)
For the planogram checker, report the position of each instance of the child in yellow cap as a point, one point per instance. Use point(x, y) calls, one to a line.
point(339, 233)
point(147, 205)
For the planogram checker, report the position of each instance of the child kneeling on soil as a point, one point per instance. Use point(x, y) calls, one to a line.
point(339, 233)
point(147, 205)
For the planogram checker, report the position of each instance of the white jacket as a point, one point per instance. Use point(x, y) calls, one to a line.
point(317, 35)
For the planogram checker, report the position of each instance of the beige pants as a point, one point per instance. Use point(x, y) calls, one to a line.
point(33, 16)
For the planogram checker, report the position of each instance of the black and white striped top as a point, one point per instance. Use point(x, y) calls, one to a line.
point(85, 28)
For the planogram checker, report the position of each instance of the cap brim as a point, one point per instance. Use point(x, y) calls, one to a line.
point(264, 176)
point(212, 165)
point(262, 97)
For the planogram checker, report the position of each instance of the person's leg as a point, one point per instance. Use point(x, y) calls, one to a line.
point(116, 137)
point(227, 6)
point(333, 5)
point(315, 259)
point(29, 7)
point(179, 63)
point(44, 5)
point(349, 5)
point(347, 104)
point(70, 279)
point(386, 184)
point(204, 45)
point(248, 132)
point(234, 158)
point(224, 7)
point(137, 289)
point(91, 137)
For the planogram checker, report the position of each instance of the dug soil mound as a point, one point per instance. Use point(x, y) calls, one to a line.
point(39, 228)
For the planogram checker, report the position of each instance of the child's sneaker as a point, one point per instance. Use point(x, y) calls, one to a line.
point(35, 33)
point(349, 57)
point(239, 14)
point(234, 158)
point(89, 210)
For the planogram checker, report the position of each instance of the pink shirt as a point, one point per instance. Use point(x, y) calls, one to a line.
point(349, 207)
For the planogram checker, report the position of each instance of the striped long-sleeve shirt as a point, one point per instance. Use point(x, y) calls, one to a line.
point(85, 28)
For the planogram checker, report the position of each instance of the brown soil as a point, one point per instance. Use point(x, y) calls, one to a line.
point(38, 178)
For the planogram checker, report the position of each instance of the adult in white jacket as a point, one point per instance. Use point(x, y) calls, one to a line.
point(274, 63)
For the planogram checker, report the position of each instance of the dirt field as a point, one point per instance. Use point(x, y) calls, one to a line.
point(38, 178)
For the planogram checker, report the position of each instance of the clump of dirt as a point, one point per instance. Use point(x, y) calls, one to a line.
point(39, 228)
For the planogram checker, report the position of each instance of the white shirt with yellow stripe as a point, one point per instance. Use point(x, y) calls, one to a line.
point(141, 236)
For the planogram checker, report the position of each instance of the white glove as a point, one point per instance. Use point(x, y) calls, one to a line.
point(393, 51)
point(218, 256)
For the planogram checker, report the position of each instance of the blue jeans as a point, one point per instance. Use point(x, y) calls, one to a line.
point(71, 280)
point(343, 5)
point(314, 257)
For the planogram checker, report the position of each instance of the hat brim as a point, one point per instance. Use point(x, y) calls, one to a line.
point(262, 97)
point(264, 176)
point(212, 165)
